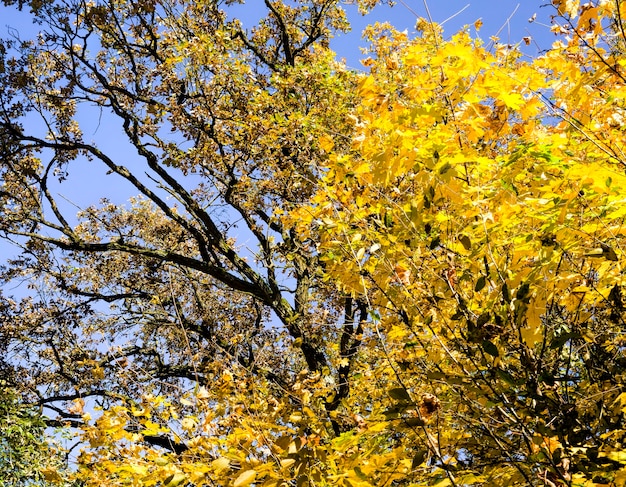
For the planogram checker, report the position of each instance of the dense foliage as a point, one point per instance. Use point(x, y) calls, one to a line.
point(410, 276)
point(480, 215)
point(27, 457)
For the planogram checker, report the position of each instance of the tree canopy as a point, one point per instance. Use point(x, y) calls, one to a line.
point(406, 276)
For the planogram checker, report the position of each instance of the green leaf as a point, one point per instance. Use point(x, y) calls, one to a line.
point(435, 375)
point(559, 341)
point(419, 458)
point(399, 394)
point(490, 348)
point(445, 168)
point(480, 283)
point(360, 473)
point(413, 422)
point(483, 318)
point(522, 291)
point(506, 377)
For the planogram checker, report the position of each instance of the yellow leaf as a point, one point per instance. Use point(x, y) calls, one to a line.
point(152, 428)
point(140, 470)
point(246, 478)
point(77, 407)
point(189, 423)
point(186, 402)
point(220, 464)
point(566, 7)
point(197, 475)
point(581, 289)
point(51, 475)
point(202, 393)
point(174, 480)
point(512, 100)
point(360, 253)
point(295, 417)
point(326, 143)
point(617, 456)
point(367, 87)
point(532, 333)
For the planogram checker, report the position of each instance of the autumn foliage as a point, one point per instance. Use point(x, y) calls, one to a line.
point(425, 287)
point(480, 214)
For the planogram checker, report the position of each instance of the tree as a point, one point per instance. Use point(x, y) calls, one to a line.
point(196, 285)
point(410, 277)
point(480, 216)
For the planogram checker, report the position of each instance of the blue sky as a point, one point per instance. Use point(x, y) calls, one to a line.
point(509, 18)
point(506, 18)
